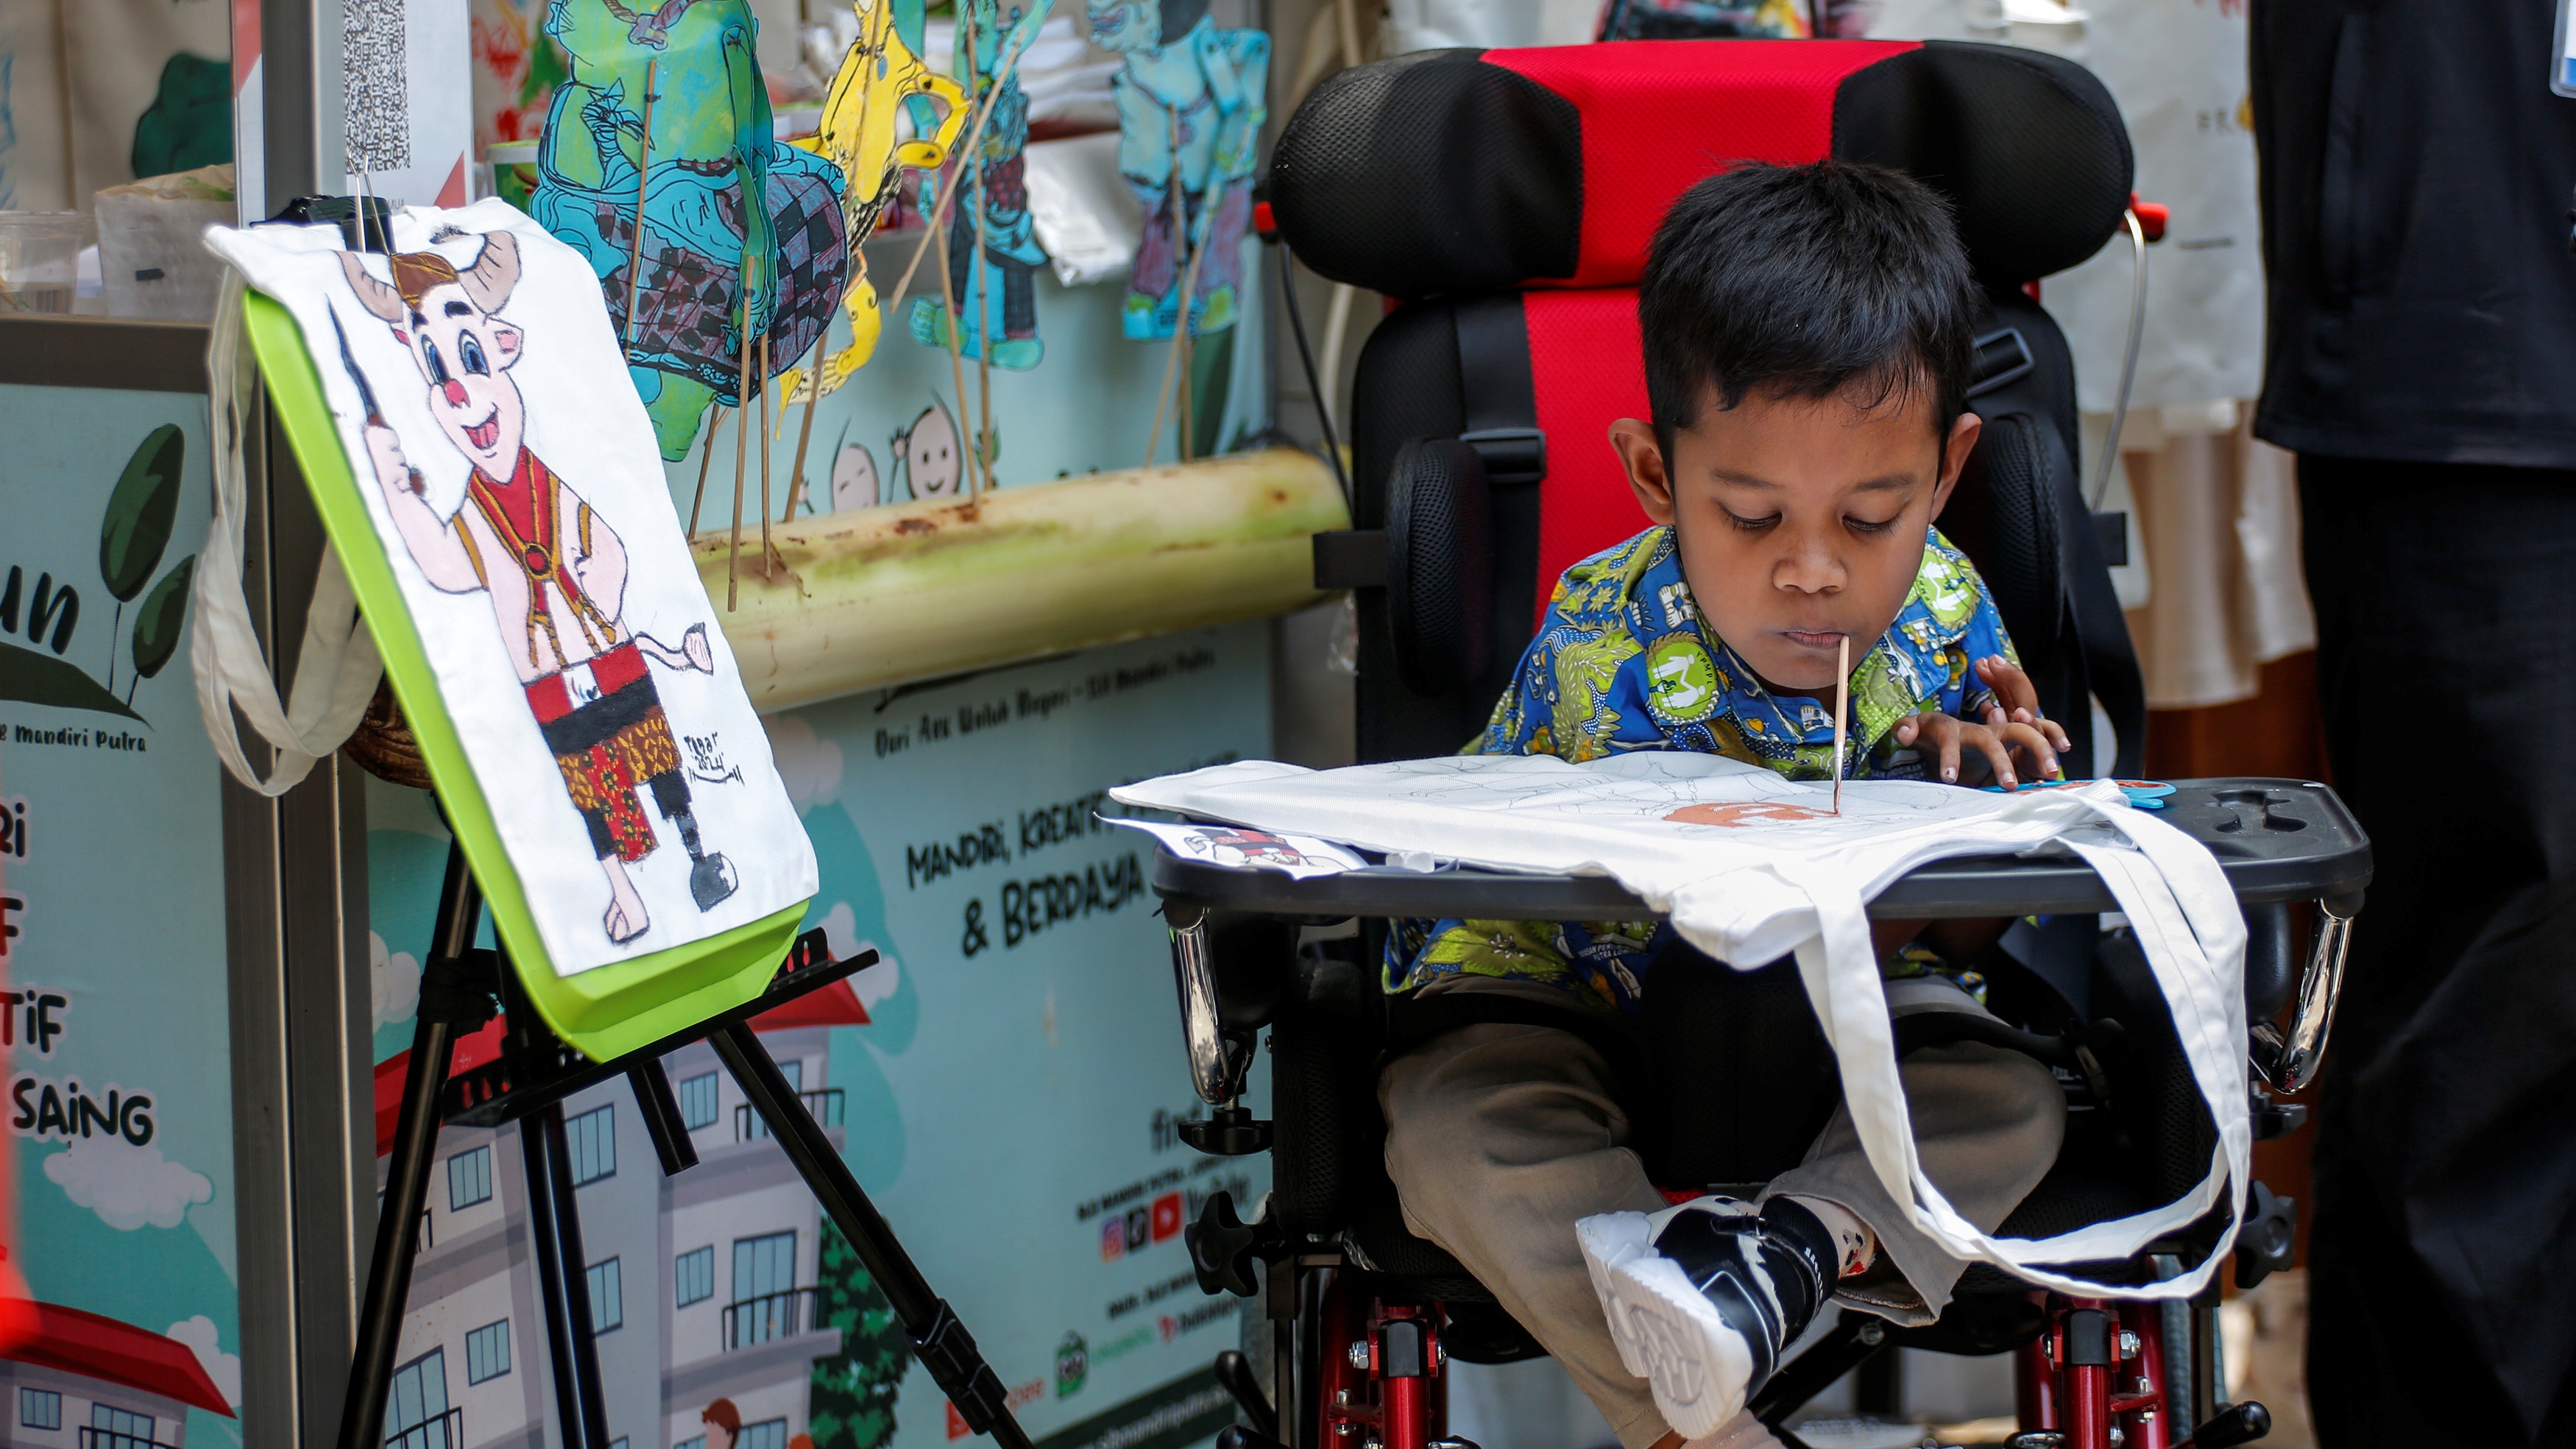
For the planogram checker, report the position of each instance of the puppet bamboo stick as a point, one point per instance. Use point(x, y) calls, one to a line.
point(940, 586)
point(635, 244)
point(1185, 427)
point(965, 46)
point(1182, 342)
point(706, 455)
point(804, 431)
point(1181, 240)
point(1842, 707)
point(768, 551)
point(741, 442)
point(972, 172)
point(984, 449)
point(956, 329)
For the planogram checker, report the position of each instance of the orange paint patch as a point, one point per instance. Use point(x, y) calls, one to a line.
point(1747, 812)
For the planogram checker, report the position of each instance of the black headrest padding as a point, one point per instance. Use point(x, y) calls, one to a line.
point(2028, 147)
point(1431, 172)
point(1440, 172)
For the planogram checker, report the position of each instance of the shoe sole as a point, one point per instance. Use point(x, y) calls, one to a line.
point(1609, 1239)
point(1698, 1366)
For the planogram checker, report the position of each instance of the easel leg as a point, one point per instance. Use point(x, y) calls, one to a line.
point(554, 1229)
point(552, 1300)
point(563, 1281)
point(371, 1368)
point(660, 1108)
point(938, 1339)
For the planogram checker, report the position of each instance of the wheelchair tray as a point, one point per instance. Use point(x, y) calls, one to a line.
point(2277, 840)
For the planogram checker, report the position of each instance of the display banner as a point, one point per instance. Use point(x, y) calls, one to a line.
point(113, 1001)
point(1007, 1083)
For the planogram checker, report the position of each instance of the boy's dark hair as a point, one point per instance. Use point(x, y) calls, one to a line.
point(1805, 281)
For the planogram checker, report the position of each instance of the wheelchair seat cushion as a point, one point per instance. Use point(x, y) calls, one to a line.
point(1478, 170)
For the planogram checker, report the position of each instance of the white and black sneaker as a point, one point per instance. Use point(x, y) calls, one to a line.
point(1703, 1297)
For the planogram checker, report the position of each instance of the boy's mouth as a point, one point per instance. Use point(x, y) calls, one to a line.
point(1813, 638)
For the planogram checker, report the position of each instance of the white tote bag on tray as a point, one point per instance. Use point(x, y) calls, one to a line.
point(1752, 866)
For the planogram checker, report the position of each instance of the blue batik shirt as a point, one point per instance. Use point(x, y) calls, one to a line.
point(1624, 662)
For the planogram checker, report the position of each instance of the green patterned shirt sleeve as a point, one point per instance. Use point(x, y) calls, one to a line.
point(1623, 662)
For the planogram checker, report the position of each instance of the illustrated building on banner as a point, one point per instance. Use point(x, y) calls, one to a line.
point(88, 1379)
point(701, 1287)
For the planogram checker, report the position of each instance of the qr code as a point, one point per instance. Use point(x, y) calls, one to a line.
point(379, 84)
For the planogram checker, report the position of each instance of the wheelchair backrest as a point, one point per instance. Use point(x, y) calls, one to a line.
point(1506, 199)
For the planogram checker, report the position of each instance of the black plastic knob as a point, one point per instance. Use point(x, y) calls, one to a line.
point(1221, 1247)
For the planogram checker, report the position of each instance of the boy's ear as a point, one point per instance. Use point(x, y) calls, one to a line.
point(1643, 458)
point(1955, 449)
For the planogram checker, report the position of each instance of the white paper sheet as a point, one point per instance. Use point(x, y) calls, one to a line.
point(1752, 866)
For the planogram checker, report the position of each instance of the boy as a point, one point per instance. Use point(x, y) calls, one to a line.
point(1807, 340)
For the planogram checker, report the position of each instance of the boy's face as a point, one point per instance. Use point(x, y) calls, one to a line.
point(1800, 521)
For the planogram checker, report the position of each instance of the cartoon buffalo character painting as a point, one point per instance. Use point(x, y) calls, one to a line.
point(553, 569)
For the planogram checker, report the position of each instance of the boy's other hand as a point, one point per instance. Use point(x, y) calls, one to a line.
point(1987, 750)
point(2018, 700)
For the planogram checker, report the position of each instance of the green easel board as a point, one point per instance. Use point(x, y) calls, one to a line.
point(609, 1010)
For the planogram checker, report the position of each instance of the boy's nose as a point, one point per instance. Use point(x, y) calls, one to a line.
point(1808, 569)
point(455, 392)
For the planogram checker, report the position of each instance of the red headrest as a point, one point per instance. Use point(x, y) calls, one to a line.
point(1466, 170)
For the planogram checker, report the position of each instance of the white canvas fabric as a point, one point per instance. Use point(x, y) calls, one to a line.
point(336, 669)
point(1752, 867)
point(573, 644)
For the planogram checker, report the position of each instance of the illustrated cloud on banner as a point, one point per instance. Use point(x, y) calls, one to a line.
point(199, 1335)
point(809, 764)
point(840, 930)
point(393, 983)
point(127, 1186)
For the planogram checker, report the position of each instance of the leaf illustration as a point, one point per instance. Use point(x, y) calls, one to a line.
point(43, 679)
point(139, 513)
point(157, 624)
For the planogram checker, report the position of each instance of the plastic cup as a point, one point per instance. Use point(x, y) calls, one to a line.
point(39, 259)
point(514, 171)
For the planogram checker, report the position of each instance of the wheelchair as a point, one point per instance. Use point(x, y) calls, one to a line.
point(1507, 197)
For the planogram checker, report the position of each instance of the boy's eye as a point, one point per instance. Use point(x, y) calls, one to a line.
point(1867, 525)
point(1749, 525)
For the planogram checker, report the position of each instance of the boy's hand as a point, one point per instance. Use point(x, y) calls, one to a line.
point(1988, 749)
point(2018, 699)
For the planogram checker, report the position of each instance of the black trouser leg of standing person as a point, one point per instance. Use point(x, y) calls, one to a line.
point(2446, 1164)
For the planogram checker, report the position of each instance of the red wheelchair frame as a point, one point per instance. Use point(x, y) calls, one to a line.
point(2094, 1378)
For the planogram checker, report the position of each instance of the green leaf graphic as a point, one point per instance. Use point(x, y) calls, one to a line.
point(43, 679)
point(139, 513)
point(158, 623)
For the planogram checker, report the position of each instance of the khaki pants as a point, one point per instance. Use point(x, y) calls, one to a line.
point(1500, 1138)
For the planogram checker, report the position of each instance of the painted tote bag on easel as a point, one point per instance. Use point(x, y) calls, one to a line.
point(490, 483)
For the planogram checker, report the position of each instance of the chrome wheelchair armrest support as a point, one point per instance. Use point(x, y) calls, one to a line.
point(1218, 1065)
point(2289, 1059)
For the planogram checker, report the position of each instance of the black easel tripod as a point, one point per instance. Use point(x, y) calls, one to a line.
point(461, 987)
